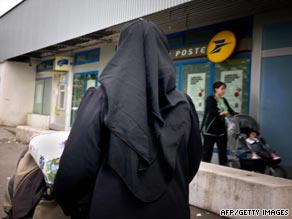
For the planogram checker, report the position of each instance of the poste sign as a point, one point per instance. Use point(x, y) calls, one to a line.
point(221, 46)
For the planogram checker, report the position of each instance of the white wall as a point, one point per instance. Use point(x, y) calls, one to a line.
point(2, 70)
point(16, 92)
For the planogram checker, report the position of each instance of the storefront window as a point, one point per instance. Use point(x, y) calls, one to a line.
point(80, 58)
point(86, 57)
point(42, 97)
point(196, 78)
point(277, 35)
point(81, 82)
point(177, 77)
point(93, 55)
point(195, 82)
point(235, 73)
point(46, 65)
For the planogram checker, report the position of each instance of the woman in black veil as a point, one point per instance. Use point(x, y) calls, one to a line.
point(135, 144)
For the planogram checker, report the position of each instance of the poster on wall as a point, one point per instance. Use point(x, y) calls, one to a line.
point(233, 80)
point(90, 83)
point(196, 89)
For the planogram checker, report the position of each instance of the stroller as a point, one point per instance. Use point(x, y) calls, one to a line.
point(239, 153)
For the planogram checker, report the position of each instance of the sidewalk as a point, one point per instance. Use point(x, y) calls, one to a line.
point(10, 150)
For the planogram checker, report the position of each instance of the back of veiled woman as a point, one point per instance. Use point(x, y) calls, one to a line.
point(135, 144)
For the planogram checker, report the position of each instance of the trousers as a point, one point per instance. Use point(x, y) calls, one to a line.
point(208, 147)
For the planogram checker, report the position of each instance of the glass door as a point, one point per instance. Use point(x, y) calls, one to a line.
point(235, 74)
point(194, 79)
point(42, 97)
point(81, 82)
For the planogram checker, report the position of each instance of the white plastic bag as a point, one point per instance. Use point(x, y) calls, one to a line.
point(46, 149)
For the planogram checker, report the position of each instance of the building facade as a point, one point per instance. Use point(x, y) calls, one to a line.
point(58, 92)
point(257, 73)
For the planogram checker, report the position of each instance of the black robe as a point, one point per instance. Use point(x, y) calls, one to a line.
point(135, 144)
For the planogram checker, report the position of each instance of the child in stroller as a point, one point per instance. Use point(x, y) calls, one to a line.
point(258, 148)
point(242, 129)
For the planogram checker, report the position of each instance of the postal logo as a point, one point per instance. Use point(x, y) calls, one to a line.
point(221, 46)
point(62, 62)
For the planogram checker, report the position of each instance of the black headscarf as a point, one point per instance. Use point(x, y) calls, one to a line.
point(145, 113)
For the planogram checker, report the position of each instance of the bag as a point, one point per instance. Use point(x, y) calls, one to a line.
point(27, 195)
point(48, 209)
point(46, 149)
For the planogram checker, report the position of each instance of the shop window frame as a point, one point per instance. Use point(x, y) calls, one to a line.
point(46, 65)
point(83, 88)
point(43, 93)
point(87, 59)
point(62, 102)
point(179, 64)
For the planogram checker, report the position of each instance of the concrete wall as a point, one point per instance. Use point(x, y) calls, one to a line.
point(2, 74)
point(16, 92)
point(216, 187)
point(38, 121)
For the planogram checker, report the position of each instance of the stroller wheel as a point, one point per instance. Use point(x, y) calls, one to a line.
point(276, 171)
point(233, 163)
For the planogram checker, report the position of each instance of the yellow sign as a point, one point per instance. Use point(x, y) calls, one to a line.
point(221, 46)
point(62, 63)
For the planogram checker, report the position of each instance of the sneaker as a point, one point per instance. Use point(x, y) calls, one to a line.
point(255, 157)
point(276, 158)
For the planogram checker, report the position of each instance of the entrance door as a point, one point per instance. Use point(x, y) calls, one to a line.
point(194, 79)
point(42, 97)
point(81, 82)
point(235, 74)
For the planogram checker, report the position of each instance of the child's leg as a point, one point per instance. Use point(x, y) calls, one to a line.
point(255, 148)
point(271, 151)
point(275, 156)
point(268, 148)
point(254, 155)
point(262, 150)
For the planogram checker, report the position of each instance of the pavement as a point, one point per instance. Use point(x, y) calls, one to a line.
point(10, 150)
